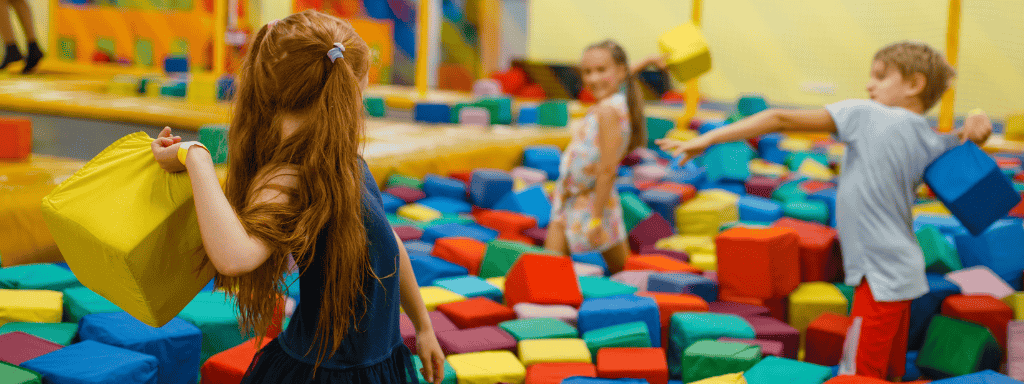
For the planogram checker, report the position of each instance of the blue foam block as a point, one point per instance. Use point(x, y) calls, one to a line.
point(626, 172)
point(925, 307)
point(625, 184)
point(695, 176)
point(531, 201)
point(987, 376)
point(737, 187)
point(594, 258)
point(390, 202)
point(543, 157)
point(757, 208)
point(446, 204)
point(487, 186)
point(608, 311)
point(998, 248)
point(827, 196)
point(911, 372)
point(91, 362)
point(711, 125)
point(947, 225)
point(768, 148)
point(432, 113)
point(434, 185)
point(429, 268)
point(594, 380)
point(418, 246)
point(683, 283)
point(176, 64)
point(470, 286)
point(528, 115)
point(432, 233)
point(225, 88)
point(970, 184)
point(662, 202)
point(174, 345)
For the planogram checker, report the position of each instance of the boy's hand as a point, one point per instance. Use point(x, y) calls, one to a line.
point(689, 149)
point(431, 356)
point(165, 150)
point(977, 128)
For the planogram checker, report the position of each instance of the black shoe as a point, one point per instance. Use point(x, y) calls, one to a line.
point(11, 55)
point(34, 56)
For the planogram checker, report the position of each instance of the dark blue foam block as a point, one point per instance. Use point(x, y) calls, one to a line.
point(90, 362)
point(912, 372)
point(531, 201)
point(827, 196)
point(683, 283)
point(429, 268)
point(528, 115)
point(487, 186)
point(757, 208)
point(543, 157)
point(432, 113)
point(987, 376)
point(999, 248)
point(432, 233)
point(418, 246)
point(662, 202)
point(768, 148)
point(925, 307)
point(434, 186)
point(615, 310)
point(174, 345)
point(390, 202)
point(971, 185)
point(447, 204)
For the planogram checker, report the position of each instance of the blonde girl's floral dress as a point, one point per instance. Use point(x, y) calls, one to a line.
point(573, 194)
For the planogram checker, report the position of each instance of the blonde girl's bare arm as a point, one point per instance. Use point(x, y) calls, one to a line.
point(231, 250)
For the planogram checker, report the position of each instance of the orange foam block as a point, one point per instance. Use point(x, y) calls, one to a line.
point(15, 138)
point(462, 251)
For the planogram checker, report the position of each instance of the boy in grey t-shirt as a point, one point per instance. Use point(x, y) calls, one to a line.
point(888, 146)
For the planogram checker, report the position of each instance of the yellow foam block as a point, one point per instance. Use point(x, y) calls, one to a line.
point(30, 306)
point(810, 300)
point(434, 296)
point(687, 51)
point(836, 151)
point(399, 102)
point(931, 208)
point(815, 170)
point(682, 134)
point(129, 231)
point(553, 351)
point(202, 89)
point(123, 86)
point(497, 282)
point(704, 261)
point(763, 168)
point(687, 243)
point(1014, 127)
point(418, 212)
point(1016, 301)
point(153, 87)
point(705, 213)
point(487, 368)
point(795, 145)
point(732, 378)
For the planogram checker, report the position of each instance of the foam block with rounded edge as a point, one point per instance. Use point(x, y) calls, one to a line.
point(470, 286)
point(418, 212)
point(438, 321)
point(756, 208)
point(553, 351)
point(658, 263)
point(820, 258)
point(955, 347)
point(48, 277)
point(762, 263)
point(91, 362)
point(446, 205)
point(538, 328)
point(543, 157)
point(739, 309)
point(683, 283)
point(608, 311)
point(688, 54)
point(772, 329)
point(595, 287)
point(176, 345)
point(970, 184)
point(462, 251)
point(807, 210)
point(634, 334)
point(644, 363)
point(825, 338)
point(488, 367)
point(564, 313)
point(706, 212)
point(554, 373)
point(479, 339)
point(689, 328)
point(434, 185)
point(812, 299)
point(506, 222)
point(82, 301)
point(980, 309)
point(429, 269)
point(476, 312)
point(711, 358)
point(773, 369)
point(432, 113)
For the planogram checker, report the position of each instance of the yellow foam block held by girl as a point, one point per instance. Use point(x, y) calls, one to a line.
point(128, 230)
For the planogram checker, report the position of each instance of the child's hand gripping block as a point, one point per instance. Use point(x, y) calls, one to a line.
point(971, 185)
point(688, 54)
point(128, 230)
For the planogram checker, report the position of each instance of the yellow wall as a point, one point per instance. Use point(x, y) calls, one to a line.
point(801, 52)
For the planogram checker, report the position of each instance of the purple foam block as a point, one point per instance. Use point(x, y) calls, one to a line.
point(408, 233)
point(651, 250)
point(768, 347)
point(768, 328)
point(18, 347)
point(479, 339)
point(438, 320)
point(408, 195)
point(537, 235)
point(739, 309)
point(648, 231)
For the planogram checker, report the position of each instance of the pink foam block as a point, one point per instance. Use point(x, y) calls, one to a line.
point(636, 279)
point(474, 116)
point(586, 269)
point(1015, 349)
point(486, 87)
point(529, 175)
point(980, 280)
point(564, 313)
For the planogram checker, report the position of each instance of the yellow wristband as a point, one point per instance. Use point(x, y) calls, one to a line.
point(183, 149)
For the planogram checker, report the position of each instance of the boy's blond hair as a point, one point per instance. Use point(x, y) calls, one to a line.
point(912, 57)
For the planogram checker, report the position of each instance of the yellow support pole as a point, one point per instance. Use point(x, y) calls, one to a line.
point(220, 30)
point(422, 39)
point(692, 95)
point(490, 36)
point(952, 53)
point(51, 35)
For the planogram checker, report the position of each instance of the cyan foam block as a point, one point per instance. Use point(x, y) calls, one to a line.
point(608, 311)
point(543, 157)
point(756, 208)
point(751, 104)
point(683, 283)
point(470, 286)
point(728, 161)
point(429, 269)
point(772, 370)
point(390, 202)
point(174, 345)
point(488, 186)
point(432, 113)
point(431, 234)
point(531, 201)
point(925, 307)
point(998, 248)
point(447, 204)
point(434, 185)
point(662, 202)
point(970, 184)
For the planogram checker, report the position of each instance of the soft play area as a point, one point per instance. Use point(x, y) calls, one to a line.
point(735, 270)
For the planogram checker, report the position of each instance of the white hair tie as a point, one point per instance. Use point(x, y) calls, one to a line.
point(336, 52)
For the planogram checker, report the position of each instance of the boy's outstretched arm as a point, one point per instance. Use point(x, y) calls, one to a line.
point(772, 120)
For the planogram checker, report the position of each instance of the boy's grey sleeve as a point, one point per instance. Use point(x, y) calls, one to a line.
point(849, 116)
